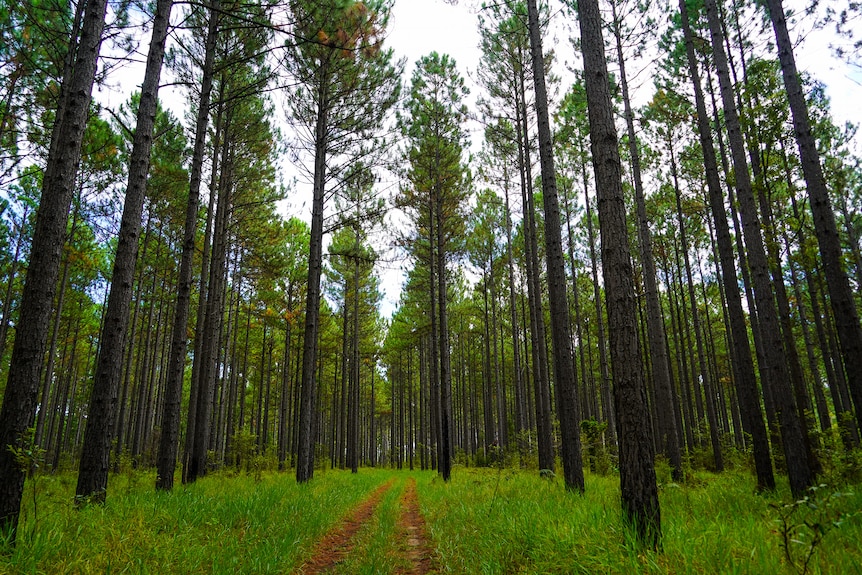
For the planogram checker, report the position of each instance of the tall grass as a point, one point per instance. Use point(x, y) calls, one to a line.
point(483, 521)
point(219, 524)
point(512, 522)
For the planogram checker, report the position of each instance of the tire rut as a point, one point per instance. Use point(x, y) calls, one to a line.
point(414, 541)
point(337, 544)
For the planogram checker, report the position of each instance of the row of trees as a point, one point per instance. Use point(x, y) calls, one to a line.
point(222, 335)
point(673, 341)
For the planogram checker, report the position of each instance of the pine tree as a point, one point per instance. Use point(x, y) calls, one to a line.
point(347, 85)
point(437, 186)
point(637, 475)
point(24, 371)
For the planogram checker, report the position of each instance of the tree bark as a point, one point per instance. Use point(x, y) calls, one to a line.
point(668, 439)
point(308, 389)
point(445, 447)
point(774, 368)
point(544, 431)
point(695, 315)
point(40, 284)
point(564, 372)
point(93, 469)
point(637, 475)
point(169, 441)
point(213, 316)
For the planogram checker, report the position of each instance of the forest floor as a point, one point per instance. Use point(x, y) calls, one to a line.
point(383, 521)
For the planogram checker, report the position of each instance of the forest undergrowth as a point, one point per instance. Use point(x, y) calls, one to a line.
point(485, 520)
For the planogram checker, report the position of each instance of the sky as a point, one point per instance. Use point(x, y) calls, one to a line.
point(418, 27)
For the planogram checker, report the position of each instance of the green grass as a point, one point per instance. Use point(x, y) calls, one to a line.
point(484, 521)
point(512, 522)
point(376, 543)
point(218, 525)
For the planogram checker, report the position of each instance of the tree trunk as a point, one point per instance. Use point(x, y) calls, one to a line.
point(93, 470)
point(637, 475)
point(353, 398)
point(695, 315)
point(604, 371)
point(284, 408)
point(40, 284)
point(566, 386)
point(47, 378)
point(544, 431)
point(213, 316)
point(308, 399)
point(445, 447)
point(487, 411)
point(774, 368)
point(668, 439)
point(203, 288)
point(520, 404)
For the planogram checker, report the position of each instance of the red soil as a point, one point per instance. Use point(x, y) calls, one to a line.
point(415, 544)
point(338, 543)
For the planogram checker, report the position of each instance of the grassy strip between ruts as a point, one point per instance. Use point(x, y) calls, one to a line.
point(514, 522)
point(221, 524)
point(375, 544)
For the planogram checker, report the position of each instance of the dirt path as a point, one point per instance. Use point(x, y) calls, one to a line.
point(338, 543)
point(414, 542)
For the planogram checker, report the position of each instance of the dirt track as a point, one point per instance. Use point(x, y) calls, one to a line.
point(338, 543)
point(415, 554)
point(414, 541)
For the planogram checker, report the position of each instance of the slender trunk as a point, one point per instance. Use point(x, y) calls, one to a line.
point(668, 439)
point(445, 447)
point(308, 395)
point(544, 430)
point(774, 368)
point(353, 399)
point(93, 470)
point(487, 411)
point(283, 412)
point(48, 377)
point(604, 387)
point(637, 475)
point(339, 400)
point(213, 315)
point(520, 407)
point(705, 378)
point(502, 416)
point(587, 411)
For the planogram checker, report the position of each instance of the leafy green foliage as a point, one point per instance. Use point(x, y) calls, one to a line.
point(804, 524)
